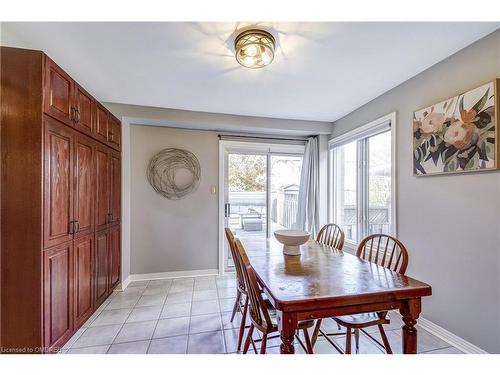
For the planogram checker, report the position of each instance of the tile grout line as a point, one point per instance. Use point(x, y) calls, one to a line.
point(159, 316)
point(433, 350)
point(189, 324)
point(224, 345)
point(222, 329)
point(114, 338)
point(102, 308)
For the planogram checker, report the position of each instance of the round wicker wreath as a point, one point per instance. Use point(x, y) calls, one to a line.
point(163, 167)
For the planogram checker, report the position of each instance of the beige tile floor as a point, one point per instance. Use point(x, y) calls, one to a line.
point(192, 315)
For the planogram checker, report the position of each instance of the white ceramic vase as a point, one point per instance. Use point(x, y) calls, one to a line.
point(291, 240)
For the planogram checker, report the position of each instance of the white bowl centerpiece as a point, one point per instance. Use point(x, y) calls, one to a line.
point(291, 240)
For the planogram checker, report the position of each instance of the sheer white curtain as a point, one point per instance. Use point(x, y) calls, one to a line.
point(308, 207)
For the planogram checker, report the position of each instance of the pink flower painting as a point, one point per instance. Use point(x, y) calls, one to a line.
point(458, 134)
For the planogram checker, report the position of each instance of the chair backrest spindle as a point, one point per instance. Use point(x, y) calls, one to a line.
point(232, 248)
point(331, 235)
point(258, 310)
point(375, 248)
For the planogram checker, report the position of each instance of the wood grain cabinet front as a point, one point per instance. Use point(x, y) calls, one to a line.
point(115, 257)
point(58, 295)
point(83, 279)
point(58, 93)
point(103, 190)
point(114, 133)
point(84, 111)
point(102, 123)
point(58, 183)
point(60, 225)
point(84, 186)
point(101, 274)
point(115, 188)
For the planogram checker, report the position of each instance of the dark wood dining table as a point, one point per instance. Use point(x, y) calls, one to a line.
point(325, 282)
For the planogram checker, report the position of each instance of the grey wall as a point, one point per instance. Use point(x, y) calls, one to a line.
point(143, 115)
point(163, 118)
point(173, 235)
point(450, 224)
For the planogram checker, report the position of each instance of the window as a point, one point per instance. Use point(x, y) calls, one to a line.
point(362, 180)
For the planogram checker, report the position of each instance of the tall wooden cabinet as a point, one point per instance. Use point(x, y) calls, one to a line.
point(60, 203)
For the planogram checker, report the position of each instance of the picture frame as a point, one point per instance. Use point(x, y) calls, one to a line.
point(460, 134)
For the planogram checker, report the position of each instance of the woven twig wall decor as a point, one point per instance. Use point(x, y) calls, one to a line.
point(163, 167)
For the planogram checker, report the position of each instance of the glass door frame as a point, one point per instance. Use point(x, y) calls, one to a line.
point(248, 147)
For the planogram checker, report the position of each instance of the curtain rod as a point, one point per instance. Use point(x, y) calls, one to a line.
point(262, 138)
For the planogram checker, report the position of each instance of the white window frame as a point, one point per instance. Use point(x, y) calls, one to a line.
point(362, 133)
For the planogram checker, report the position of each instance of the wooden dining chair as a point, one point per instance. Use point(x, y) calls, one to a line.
point(388, 252)
point(262, 314)
point(330, 235)
point(240, 286)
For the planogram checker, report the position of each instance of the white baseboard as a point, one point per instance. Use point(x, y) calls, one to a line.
point(172, 275)
point(449, 337)
point(123, 285)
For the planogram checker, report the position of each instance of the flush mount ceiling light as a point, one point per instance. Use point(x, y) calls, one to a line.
point(254, 48)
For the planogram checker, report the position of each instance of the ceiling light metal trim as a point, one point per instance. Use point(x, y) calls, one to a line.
point(254, 48)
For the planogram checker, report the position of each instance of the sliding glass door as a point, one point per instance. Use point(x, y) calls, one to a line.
point(246, 191)
point(260, 190)
point(284, 185)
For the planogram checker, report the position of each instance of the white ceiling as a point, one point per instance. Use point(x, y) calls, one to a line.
point(321, 71)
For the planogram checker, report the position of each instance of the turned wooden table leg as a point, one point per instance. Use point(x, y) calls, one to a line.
point(410, 310)
point(287, 325)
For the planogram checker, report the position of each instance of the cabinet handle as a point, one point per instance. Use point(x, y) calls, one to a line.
point(72, 114)
point(111, 136)
point(77, 117)
point(71, 227)
point(109, 218)
point(77, 224)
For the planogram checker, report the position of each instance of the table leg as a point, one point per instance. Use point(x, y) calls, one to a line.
point(287, 325)
point(410, 310)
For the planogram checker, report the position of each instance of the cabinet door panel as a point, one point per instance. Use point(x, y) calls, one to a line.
point(84, 186)
point(101, 266)
point(115, 132)
point(58, 92)
point(85, 111)
point(58, 183)
point(83, 280)
point(58, 296)
point(102, 206)
point(115, 187)
point(102, 120)
point(115, 257)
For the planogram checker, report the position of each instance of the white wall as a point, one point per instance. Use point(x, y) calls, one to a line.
point(450, 224)
point(173, 235)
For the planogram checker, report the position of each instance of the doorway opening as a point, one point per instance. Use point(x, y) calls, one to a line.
point(259, 190)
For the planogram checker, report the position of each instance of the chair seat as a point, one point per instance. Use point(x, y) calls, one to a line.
point(361, 320)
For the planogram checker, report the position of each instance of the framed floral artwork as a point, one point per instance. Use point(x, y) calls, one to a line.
point(459, 134)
